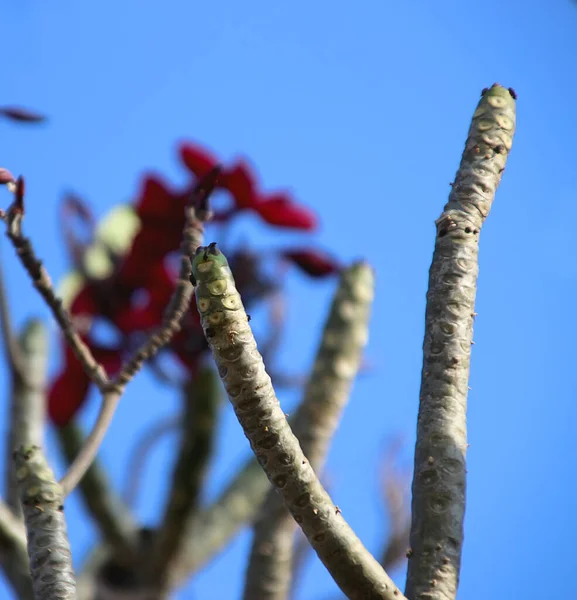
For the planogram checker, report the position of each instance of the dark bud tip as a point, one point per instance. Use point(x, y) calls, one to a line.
point(213, 249)
point(484, 91)
point(513, 93)
point(19, 194)
point(200, 250)
point(21, 115)
point(200, 197)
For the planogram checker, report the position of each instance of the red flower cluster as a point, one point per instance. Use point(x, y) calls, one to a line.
point(134, 296)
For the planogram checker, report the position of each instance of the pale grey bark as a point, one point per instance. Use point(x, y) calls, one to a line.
point(250, 391)
point(337, 362)
point(48, 547)
point(438, 505)
point(28, 401)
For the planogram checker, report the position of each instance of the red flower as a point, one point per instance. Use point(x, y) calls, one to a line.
point(312, 262)
point(134, 295)
point(281, 211)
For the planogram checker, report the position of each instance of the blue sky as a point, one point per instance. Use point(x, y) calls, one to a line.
point(362, 110)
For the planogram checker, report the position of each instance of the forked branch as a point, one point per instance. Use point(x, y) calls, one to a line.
point(250, 391)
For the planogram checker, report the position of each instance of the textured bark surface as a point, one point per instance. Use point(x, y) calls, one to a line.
point(438, 505)
point(48, 547)
point(28, 407)
point(337, 363)
point(249, 388)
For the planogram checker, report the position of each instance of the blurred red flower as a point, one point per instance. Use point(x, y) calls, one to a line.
point(137, 281)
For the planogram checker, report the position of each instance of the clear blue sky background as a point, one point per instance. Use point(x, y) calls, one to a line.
point(362, 109)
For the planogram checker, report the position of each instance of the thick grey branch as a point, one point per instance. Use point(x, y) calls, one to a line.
point(438, 505)
point(48, 547)
point(337, 362)
point(250, 391)
point(28, 402)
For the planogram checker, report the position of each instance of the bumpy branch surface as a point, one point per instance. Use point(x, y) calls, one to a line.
point(28, 403)
point(113, 518)
point(198, 429)
point(337, 363)
point(250, 391)
point(438, 504)
point(48, 547)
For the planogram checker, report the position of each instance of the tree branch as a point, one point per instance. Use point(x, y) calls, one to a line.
point(438, 505)
point(196, 213)
point(338, 360)
point(198, 429)
point(48, 547)
point(28, 401)
point(250, 391)
point(113, 518)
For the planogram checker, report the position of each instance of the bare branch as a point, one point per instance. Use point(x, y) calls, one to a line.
point(82, 462)
point(48, 547)
point(439, 479)
point(216, 525)
point(28, 402)
point(250, 391)
point(41, 280)
point(141, 452)
point(198, 429)
point(114, 519)
point(327, 392)
point(196, 214)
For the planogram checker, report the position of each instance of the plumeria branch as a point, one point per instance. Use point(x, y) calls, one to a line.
point(41, 280)
point(140, 453)
point(48, 546)
point(28, 401)
point(439, 480)
point(114, 519)
point(197, 211)
point(202, 396)
point(338, 360)
point(249, 388)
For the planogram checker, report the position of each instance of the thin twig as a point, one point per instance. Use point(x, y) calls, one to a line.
point(141, 452)
point(198, 429)
point(337, 363)
point(249, 388)
point(109, 402)
point(439, 479)
point(196, 212)
point(41, 280)
point(113, 518)
point(48, 546)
